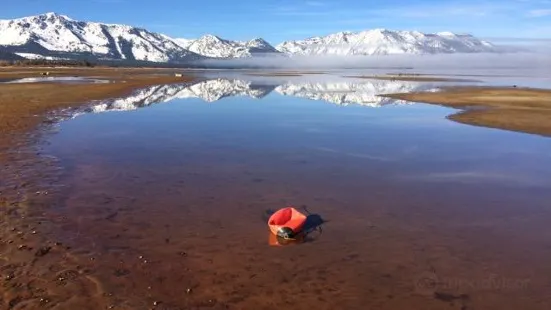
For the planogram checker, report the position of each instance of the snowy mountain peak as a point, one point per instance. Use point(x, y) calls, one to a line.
point(446, 34)
point(214, 46)
point(210, 37)
point(378, 30)
point(50, 16)
point(382, 41)
point(259, 42)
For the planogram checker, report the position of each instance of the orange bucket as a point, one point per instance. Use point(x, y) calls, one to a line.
point(285, 220)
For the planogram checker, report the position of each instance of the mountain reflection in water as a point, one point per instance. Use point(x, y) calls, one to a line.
point(364, 93)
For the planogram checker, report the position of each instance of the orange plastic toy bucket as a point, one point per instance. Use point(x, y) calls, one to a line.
point(287, 217)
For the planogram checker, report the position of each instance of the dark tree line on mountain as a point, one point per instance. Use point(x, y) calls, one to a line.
point(46, 63)
point(11, 59)
point(95, 63)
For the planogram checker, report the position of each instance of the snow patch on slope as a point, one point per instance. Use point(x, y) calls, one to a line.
point(38, 56)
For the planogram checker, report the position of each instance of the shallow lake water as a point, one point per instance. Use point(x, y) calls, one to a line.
point(54, 79)
point(421, 212)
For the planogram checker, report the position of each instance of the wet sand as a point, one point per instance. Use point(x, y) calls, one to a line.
point(525, 110)
point(37, 270)
point(194, 237)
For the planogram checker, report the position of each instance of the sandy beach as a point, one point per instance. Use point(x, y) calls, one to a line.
point(525, 110)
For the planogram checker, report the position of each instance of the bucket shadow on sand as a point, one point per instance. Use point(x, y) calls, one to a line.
point(311, 230)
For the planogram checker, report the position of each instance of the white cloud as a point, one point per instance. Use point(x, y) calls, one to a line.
point(447, 10)
point(540, 13)
point(443, 10)
point(315, 3)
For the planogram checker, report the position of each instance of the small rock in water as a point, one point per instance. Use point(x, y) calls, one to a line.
point(42, 251)
point(121, 272)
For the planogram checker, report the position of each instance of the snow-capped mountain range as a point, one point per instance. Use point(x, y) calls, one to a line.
point(385, 42)
point(364, 93)
point(53, 35)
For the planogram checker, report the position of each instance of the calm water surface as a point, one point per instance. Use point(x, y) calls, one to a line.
point(422, 212)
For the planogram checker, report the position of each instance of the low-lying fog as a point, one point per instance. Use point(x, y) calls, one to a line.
point(537, 63)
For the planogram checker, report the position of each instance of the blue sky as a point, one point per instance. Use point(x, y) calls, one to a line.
point(278, 20)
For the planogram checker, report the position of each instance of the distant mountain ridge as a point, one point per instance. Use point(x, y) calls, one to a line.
point(213, 46)
point(386, 42)
point(56, 36)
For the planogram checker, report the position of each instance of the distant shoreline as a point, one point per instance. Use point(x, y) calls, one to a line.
point(526, 110)
point(410, 78)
